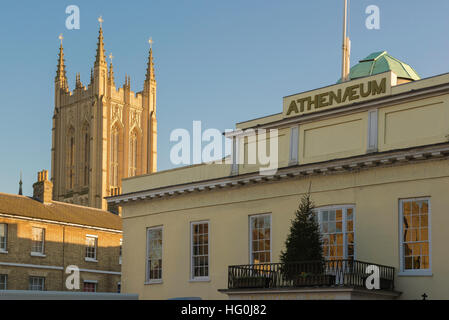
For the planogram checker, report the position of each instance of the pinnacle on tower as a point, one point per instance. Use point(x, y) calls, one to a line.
point(61, 72)
point(78, 85)
point(100, 58)
point(127, 84)
point(111, 71)
point(111, 74)
point(150, 66)
point(20, 184)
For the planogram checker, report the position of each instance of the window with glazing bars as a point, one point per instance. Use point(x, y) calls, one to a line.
point(91, 247)
point(154, 254)
point(38, 239)
point(200, 250)
point(260, 244)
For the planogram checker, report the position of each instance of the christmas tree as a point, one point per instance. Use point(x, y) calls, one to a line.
point(304, 242)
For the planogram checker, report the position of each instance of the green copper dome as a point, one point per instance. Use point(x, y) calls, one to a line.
point(380, 62)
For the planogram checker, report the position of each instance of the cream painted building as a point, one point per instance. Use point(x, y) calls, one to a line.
point(374, 149)
point(101, 133)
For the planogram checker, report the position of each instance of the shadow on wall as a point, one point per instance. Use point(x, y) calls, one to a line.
point(23, 259)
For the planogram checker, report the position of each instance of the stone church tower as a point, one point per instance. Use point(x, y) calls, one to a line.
point(101, 134)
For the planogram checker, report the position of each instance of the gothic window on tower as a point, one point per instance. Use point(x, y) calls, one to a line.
point(133, 155)
point(86, 155)
point(114, 157)
point(71, 158)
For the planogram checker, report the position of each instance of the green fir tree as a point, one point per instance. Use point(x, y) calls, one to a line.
point(304, 242)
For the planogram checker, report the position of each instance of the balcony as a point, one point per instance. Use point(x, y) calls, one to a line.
point(333, 279)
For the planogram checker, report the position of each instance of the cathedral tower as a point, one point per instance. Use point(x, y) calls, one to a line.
point(101, 133)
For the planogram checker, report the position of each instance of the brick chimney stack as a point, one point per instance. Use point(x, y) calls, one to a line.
point(43, 188)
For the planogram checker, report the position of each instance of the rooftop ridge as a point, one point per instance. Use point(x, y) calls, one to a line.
point(53, 202)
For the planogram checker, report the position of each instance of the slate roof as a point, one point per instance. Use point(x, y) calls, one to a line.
point(22, 206)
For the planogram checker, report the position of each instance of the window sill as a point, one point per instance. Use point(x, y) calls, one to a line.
point(200, 280)
point(419, 273)
point(38, 254)
point(90, 260)
point(153, 282)
point(3, 251)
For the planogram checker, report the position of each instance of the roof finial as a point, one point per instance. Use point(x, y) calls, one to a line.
point(61, 72)
point(100, 58)
point(20, 184)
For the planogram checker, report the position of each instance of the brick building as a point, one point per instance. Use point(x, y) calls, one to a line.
point(40, 238)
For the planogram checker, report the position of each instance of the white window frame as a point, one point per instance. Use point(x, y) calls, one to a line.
point(192, 267)
point(5, 278)
point(344, 225)
point(42, 252)
point(147, 267)
point(90, 259)
point(5, 248)
point(251, 236)
point(36, 278)
point(418, 272)
point(95, 282)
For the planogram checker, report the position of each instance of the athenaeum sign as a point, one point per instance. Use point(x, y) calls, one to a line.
point(339, 95)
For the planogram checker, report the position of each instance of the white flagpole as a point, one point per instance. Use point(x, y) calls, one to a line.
point(346, 44)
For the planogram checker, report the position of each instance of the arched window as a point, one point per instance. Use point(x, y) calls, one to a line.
point(71, 159)
point(114, 157)
point(86, 137)
point(133, 155)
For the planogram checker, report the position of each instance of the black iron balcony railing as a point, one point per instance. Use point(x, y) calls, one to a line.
point(347, 273)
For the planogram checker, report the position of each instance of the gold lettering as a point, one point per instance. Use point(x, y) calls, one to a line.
point(292, 108)
point(354, 95)
point(335, 97)
point(351, 93)
point(315, 102)
point(379, 89)
point(301, 103)
point(362, 92)
point(322, 100)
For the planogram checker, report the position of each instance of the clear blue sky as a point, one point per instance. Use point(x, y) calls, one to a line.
point(221, 62)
